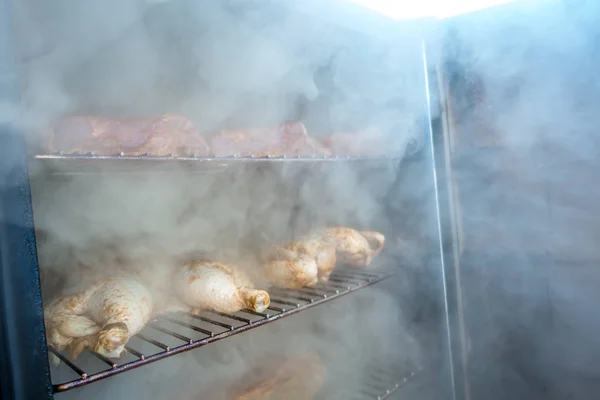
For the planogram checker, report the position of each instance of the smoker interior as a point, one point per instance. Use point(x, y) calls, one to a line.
point(383, 317)
point(376, 341)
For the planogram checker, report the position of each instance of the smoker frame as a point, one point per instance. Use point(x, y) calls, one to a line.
point(22, 333)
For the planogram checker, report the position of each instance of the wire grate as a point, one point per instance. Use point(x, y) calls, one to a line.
point(150, 157)
point(62, 164)
point(382, 382)
point(213, 326)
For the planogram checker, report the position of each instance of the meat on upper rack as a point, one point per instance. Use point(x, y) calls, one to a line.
point(289, 139)
point(173, 134)
point(210, 285)
point(355, 144)
point(161, 136)
point(102, 317)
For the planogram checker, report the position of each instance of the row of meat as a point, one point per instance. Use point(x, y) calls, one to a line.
point(103, 314)
point(176, 135)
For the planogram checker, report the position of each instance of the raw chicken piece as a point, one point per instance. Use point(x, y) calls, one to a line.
point(156, 275)
point(290, 269)
point(102, 317)
point(363, 144)
point(322, 249)
point(208, 285)
point(161, 136)
point(289, 139)
point(304, 262)
point(355, 248)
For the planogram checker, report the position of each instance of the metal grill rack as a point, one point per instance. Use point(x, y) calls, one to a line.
point(411, 148)
point(150, 157)
point(89, 163)
point(180, 332)
point(381, 383)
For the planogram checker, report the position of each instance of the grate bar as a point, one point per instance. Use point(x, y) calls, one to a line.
point(232, 316)
point(211, 321)
point(105, 360)
point(360, 279)
point(312, 292)
point(350, 274)
point(303, 291)
point(70, 364)
point(338, 286)
point(259, 314)
point(211, 336)
point(154, 342)
point(292, 296)
point(135, 352)
point(349, 278)
point(190, 326)
point(387, 387)
point(170, 332)
point(287, 303)
point(353, 274)
point(327, 288)
point(344, 281)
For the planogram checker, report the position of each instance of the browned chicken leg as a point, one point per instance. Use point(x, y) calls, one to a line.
point(104, 316)
point(355, 248)
point(303, 262)
point(205, 285)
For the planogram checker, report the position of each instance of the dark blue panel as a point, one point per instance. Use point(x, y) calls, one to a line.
point(24, 372)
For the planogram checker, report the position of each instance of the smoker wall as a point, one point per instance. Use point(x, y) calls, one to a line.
point(524, 95)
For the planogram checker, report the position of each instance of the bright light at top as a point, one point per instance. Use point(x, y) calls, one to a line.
point(411, 9)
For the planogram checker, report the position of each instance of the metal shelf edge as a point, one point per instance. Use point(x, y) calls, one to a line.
point(202, 342)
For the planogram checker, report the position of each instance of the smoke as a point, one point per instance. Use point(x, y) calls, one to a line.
point(536, 107)
point(232, 64)
point(525, 94)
